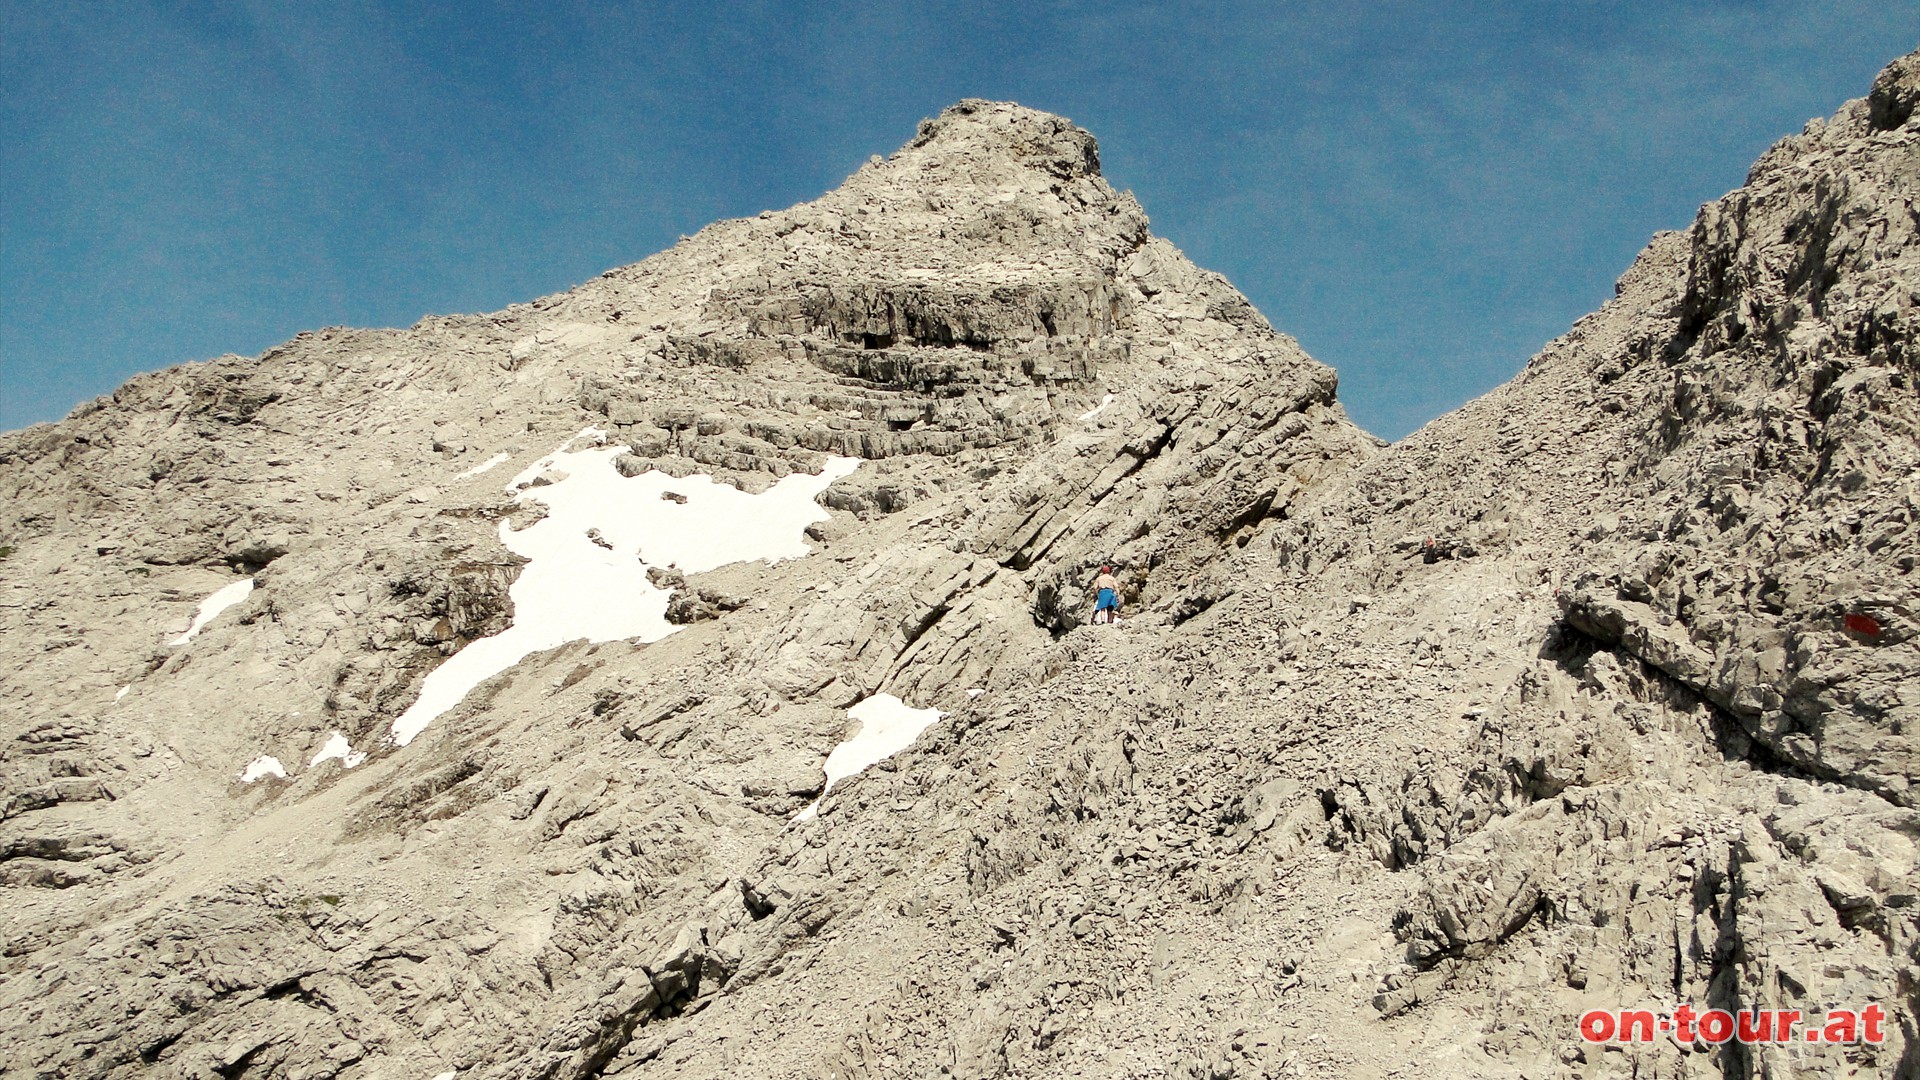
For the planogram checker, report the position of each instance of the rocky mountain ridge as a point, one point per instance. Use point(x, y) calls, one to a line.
point(1596, 693)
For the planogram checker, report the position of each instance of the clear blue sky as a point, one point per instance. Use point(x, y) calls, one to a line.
point(1422, 193)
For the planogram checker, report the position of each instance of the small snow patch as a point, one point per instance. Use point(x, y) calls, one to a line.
point(213, 606)
point(887, 726)
point(264, 765)
point(976, 692)
point(122, 692)
point(339, 748)
point(1097, 409)
point(483, 466)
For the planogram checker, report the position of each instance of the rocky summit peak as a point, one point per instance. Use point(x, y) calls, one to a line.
point(1038, 139)
point(462, 700)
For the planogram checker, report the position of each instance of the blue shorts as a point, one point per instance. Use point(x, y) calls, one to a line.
point(1107, 601)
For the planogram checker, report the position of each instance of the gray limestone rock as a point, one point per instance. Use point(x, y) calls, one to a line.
point(1599, 692)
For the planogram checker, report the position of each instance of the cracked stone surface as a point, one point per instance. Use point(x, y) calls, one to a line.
point(1599, 692)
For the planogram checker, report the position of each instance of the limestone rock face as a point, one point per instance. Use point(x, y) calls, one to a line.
point(1597, 693)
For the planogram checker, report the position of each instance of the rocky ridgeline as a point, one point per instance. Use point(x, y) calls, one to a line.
point(1597, 693)
point(1715, 479)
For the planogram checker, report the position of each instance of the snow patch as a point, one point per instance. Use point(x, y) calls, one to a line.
point(578, 587)
point(976, 691)
point(213, 606)
point(338, 747)
point(532, 472)
point(483, 466)
point(1097, 409)
point(122, 692)
point(888, 725)
point(264, 765)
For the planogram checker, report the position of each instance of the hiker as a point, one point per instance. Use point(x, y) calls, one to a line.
point(1108, 598)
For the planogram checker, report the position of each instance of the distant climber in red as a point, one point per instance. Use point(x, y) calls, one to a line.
point(1107, 597)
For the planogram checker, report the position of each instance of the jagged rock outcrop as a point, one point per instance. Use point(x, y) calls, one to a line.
point(1597, 693)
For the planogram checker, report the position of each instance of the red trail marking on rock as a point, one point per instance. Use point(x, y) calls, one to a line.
point(1863, 624)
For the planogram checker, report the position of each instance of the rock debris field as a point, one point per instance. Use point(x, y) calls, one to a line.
point(755, 725)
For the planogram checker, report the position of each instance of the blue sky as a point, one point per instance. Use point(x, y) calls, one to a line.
point(1422, 193)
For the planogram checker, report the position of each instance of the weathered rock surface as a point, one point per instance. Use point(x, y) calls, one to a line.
point(1597, 693)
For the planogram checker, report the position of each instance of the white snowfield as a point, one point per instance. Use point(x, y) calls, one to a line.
point(213, 606)
point(888, 725)
point(338, 748)
point(483, 466)
point(1097, 409)
point(264, 765)
point(574, 588)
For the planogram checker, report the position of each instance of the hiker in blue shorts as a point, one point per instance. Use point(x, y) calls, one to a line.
point(1108, 600)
